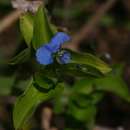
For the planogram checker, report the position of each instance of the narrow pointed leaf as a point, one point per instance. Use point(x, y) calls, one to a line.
point(26, 27)
point(21, 57)
point(90, 60)
point(26, 104)
point(42, 29)
point(113, 84)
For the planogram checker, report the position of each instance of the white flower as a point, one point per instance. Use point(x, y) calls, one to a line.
point(25, 6)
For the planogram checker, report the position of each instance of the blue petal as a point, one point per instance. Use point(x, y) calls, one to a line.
point(65, 58)
point(58, 40)
point(44, 55)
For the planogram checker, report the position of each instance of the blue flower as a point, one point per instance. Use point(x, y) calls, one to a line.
point(44, 54)
point(65, 58)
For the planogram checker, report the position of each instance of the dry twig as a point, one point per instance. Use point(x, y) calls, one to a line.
point(9, 20)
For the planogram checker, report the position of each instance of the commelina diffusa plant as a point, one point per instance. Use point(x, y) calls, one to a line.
point(52, 64)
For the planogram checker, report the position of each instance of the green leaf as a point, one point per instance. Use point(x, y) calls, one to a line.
point(62, 98)
point(42, 29)
point(21, 57)
point(26, 27)
point(84, 93)
point(81, 101)
point(82, 114)
point(117, 69)
point(43, 81)
point(22, 84)
point(90, 60)
point(97, 97)
point(114, 84)
point(59, 104)
point(110, 83)
point(80, 70)
point(84, 86)
point(6, 84)
point(26, 104)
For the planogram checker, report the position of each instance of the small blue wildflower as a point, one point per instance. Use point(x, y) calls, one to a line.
point(44, 54)
point(65, 58)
